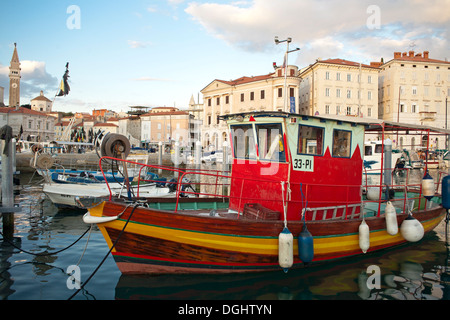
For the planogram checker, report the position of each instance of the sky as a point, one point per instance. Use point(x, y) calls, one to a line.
point(162, 52)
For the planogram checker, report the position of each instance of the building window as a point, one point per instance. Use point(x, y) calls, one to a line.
point(242, 97)
point(327, 92)
point(414, 91)
point(327, 75)
point(280, 92)
point(218, 101)
point(349, 77)
point(349, 111)
point(349, 94)
point(342, 143)
point(209, 120)
point(369, 112)
point(414, 108)
point(338, 76)
point(252, 96)
point(291, 92)
point(369, 79)
point(263, 94)
point(327, 109)
point(402, 107)
point(310, 140)
point(369, 95)
point(338, 109)
point(338, 93)
point(209, 102)
point(227, 99)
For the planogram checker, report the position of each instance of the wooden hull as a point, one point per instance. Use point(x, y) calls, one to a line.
point(161, 241)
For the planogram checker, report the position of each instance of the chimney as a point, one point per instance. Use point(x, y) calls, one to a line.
point(397, 55)
point(411, 53)
point(405, 54)
point(425, 54)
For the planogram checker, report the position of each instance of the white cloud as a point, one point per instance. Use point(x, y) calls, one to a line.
point(327, 28)
point(138, 44)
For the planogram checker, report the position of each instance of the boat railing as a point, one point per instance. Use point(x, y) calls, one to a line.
point(215, 183)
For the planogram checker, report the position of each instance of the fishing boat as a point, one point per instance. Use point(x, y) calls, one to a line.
point(293, 198)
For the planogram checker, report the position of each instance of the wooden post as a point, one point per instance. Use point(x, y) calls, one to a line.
point(7, 208)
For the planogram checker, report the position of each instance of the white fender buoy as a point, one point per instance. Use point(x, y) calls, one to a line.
point(373, 193)
point(285, 249)
point(411, 229)
point(364, 236)
point(428, 186)
point(391, 219)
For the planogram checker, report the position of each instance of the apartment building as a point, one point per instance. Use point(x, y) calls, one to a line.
point(413, 88)
point(256, 93)
point(167, 125)
point(339, 87)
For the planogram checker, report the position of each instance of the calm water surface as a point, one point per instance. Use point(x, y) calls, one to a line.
point(411, 272)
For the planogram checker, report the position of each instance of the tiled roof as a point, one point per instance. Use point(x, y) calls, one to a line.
point(12, 110)
point(42, 98)
point(105, 125)
point(244, 79)
point(345, 62)
point(172, 113)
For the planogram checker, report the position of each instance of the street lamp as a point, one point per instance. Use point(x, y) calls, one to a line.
point(285, 64)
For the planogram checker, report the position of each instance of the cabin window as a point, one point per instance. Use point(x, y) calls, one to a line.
point(310, 140)
point(342, 143)
point(367, 150)
point(243, 141)
point(270, 142)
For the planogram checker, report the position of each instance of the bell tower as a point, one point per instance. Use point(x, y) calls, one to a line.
point(14, 79)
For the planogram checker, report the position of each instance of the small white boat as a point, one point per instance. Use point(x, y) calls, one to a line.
point(75, 195)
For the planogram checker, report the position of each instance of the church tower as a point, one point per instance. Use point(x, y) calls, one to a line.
point(14, 80)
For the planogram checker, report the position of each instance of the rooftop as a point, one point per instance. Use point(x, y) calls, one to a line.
point(417, 57)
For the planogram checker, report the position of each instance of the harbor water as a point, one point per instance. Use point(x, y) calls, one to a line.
point(35, 266)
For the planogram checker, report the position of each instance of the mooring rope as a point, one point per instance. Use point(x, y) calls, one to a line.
point(43, 254)
point(107, 254)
